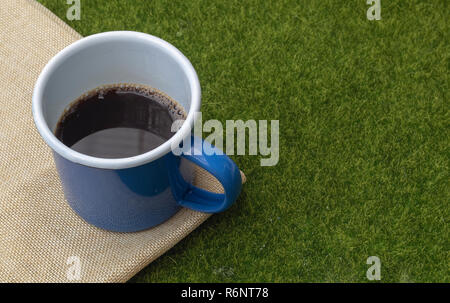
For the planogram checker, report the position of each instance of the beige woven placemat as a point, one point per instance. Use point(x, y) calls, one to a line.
point(39, 233)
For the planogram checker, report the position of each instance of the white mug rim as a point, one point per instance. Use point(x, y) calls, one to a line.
point(120, 163)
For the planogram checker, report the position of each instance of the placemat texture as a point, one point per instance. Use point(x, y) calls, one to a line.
point(39, 232)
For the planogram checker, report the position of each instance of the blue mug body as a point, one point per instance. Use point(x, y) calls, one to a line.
point(137, 198)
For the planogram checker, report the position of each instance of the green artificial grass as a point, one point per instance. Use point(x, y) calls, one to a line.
point(364, 134)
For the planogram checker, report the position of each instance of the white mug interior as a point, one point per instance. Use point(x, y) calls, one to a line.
point(112, 58)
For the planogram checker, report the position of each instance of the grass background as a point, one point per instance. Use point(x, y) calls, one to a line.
point(364, 134)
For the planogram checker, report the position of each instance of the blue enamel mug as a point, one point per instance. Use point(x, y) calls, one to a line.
point(135, 193)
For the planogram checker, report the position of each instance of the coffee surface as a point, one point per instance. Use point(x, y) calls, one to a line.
point(118, 121)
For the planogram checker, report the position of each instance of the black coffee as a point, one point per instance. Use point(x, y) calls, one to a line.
point(118, 121)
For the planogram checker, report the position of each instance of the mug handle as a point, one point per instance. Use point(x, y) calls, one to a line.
point(224, 170)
